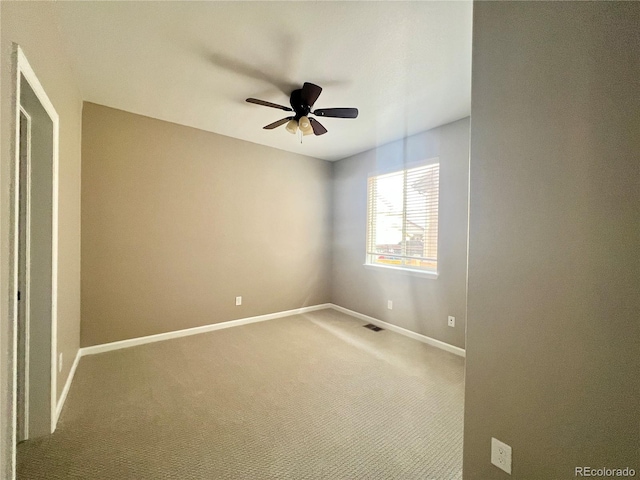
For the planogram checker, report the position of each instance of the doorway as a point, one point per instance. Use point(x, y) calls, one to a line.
point(34, 255)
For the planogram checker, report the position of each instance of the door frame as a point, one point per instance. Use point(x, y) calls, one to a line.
point(22, 68)
point(27, 272)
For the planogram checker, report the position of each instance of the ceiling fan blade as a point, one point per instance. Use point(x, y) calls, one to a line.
point(269, 104)
point(310, 93)
point(337, 112)
point(273, 125)
point(318, 129)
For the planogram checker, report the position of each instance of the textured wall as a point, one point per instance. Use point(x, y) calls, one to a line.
point(553, 307)
point(177, 222)
point(419, 304)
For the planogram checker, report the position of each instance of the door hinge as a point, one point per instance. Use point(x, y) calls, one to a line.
point(18, 295)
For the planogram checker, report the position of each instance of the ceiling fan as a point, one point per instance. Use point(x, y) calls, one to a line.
point(302, 101)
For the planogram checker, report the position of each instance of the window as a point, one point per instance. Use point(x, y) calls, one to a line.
point(402, 219)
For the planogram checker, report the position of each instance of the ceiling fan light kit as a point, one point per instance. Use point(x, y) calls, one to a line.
point(292, 127)
point(304, 124)
point(302, 101)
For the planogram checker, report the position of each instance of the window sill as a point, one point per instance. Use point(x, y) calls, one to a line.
point(402, 271)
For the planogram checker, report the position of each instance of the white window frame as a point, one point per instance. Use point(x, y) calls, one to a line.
point(405, 270)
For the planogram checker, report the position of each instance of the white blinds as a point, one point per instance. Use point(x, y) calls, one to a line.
point(402, 220)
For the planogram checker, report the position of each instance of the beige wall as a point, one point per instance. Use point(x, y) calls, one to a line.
point(553, 336)
point(177, 222)
point(33, 26)
point(419, 304)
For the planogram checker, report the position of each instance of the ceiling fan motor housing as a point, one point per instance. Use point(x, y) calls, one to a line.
point(299, 106)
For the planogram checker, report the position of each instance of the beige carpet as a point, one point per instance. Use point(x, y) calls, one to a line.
point(312, 396)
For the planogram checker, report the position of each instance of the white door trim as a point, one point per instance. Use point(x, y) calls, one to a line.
point(27, 274)
point(22, 67)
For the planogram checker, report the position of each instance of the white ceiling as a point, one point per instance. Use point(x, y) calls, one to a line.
point(405, 65)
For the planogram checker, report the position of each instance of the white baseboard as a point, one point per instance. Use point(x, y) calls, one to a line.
point(67, 386)
point(402, 331)
point(107, 347)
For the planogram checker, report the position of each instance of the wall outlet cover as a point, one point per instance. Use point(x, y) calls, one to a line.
point(451, 321)
point(501, 455)
point(238, 301)
point(390, 304)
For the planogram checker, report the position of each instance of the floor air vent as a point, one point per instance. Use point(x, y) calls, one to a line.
point(373, 327)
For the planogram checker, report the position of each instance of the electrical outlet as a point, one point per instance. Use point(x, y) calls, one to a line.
point(238, 301)
point(451, 321)
point(60, 362)
point(501, 455)
point(389, 304)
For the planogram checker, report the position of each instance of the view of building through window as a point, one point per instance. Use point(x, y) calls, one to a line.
point(402, 218)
